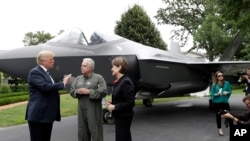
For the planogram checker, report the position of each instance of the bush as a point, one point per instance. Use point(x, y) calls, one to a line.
point(19, 88)
point(13, 94)
point(238, 86)
point(5, 89)
point(9, 98)
point(14, 99)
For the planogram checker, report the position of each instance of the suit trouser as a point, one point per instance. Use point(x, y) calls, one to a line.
point(122, 129)
point(40, 131)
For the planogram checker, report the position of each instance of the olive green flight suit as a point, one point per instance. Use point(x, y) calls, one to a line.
point(90, 117)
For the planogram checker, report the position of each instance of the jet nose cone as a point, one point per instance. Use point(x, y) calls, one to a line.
point(17, 62)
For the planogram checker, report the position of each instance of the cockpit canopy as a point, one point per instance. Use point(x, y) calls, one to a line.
point(76, 36)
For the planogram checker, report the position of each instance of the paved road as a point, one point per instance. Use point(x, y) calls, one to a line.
point(188, 120)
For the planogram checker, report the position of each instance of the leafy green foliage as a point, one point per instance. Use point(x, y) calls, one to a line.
point(5, 89)
point(19, 88)
point(237, 10)
point(14, 80)
point(136, 25)
point(213, 36)
point(13, 94)
point(36, 38)
point(187, 15)
point(211, 23)
point(9, 98)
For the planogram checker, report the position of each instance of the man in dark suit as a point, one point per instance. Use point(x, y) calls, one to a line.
point(44, 102)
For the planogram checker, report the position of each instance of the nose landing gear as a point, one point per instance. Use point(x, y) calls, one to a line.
point(147, 102)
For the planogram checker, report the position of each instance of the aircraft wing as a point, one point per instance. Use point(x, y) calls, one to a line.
point(228, 67)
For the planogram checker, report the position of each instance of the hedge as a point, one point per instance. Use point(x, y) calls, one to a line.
point(9, 98)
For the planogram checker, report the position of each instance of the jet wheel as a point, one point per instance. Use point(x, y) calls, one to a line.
point(104, 113)
point(107, 116)
point(147, 102)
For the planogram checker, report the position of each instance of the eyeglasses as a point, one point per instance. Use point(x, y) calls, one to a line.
point(219, 75)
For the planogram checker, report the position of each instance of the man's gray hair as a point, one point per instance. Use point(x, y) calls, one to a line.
point(90, 61)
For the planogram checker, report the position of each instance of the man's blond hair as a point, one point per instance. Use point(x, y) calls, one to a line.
point(43, 55)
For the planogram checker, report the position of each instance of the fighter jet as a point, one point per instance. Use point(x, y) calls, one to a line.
point(155, 73)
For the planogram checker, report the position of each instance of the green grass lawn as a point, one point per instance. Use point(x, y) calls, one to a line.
point(15, 115)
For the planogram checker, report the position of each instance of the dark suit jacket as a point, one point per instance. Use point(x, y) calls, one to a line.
point(123, 97)
point(44, 100)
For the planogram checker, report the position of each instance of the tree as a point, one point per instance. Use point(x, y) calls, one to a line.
point(239, 11)
point(185, 15)
point(36, 38)
point(136, 25)
point(243, 53)
point(213, 35)
point(202, 19)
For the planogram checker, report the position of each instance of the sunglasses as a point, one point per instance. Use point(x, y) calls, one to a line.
point(219, 75)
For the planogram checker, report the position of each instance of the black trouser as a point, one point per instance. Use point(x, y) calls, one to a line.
point(219, 107)
point(40, 131)
point(122, 129)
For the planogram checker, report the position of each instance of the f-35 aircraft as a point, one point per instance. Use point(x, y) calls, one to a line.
point(156, 73)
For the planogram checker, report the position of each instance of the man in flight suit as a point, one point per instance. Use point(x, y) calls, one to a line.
point(89, 88)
